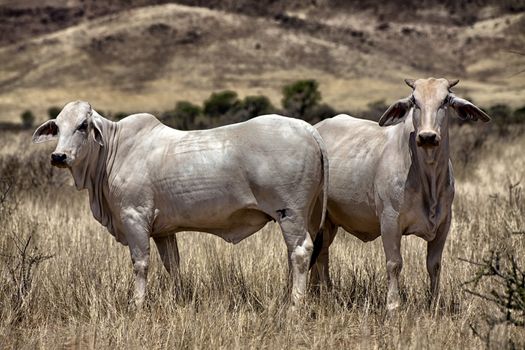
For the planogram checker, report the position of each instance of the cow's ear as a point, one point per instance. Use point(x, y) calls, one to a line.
point(466, 110)
point(46, 132)
point(396, 112)
point(97, 132)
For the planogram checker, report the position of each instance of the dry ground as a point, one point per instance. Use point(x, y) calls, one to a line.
point(234, 296)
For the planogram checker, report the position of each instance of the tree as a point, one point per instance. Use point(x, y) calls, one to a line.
point(300, 97)
point(53, 112)
point(220, 103)
point(183, 116)
point(257, 105)
point(28, 118)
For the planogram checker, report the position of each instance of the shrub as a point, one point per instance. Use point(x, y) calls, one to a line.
point(320, 112)
point(28, 118)
point(53, 112)
point(501, 117)
point(519, 115)
point(300, 97)
point(183, 116)
point(504, 279)
point(257, 105)
point(220, 103)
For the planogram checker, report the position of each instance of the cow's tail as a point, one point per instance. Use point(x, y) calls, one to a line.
point(318, 242)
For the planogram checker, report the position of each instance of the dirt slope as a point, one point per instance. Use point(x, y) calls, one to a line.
point(147, 57)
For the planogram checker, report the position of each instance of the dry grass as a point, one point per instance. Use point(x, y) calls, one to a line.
point(234, 296)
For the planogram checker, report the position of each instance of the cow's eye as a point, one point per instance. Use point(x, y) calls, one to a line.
point(83, 126)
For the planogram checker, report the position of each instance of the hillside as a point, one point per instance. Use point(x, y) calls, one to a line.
point(131, 57)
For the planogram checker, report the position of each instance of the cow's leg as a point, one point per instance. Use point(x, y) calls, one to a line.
point(169, 254)
point(391, 237)
point(138, 242)
point(434, 254)
point(320, 273)
point(299, 246)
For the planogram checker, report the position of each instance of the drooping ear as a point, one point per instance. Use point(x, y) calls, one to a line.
point(396, 112)
point(46, 132)
point(97, 131)
point(466, 110)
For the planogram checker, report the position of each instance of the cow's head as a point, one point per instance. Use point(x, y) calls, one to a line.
point(430, 100)
point(76, 129)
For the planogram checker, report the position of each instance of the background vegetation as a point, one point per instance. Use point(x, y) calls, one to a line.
point(300, 99)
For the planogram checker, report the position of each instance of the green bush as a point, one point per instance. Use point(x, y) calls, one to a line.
point(300, 97)
point(53, 112)
point(257, 105)
point(28, 118)
point(220, 103)
point(519, 115)
point(183, 116)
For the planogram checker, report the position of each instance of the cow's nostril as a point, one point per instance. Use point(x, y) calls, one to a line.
point(428, 139)
point(57, 158)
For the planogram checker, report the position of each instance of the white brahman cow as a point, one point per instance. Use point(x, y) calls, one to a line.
point(146, 180)
point(393, 179)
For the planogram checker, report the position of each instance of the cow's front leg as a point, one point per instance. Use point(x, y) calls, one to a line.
point(434, 254)
point(169, 254)
point(391, 237)
point(137, 235)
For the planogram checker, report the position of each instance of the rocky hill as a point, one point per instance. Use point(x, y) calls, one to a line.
point(133, 56)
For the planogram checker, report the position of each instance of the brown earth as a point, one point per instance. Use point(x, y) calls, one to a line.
point(131, 57)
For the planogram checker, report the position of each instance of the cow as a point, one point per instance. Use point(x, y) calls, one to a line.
point(393, 179)
point(146, 180)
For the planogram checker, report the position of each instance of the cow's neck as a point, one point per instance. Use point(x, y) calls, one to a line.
point(430, 171)
point(93, 173)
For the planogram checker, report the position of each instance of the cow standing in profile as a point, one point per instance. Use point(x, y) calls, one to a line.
point(394, 179)
point(146, 180)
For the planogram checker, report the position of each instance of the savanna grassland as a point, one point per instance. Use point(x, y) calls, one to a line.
point(233, 296)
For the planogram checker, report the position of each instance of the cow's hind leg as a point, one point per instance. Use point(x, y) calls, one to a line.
point(299, 245)
point(169, 254)
point(320, 273)
point(434, 254)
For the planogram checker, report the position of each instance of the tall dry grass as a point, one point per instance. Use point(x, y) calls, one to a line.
point(235, 296)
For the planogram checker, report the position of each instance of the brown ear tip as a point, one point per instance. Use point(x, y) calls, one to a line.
point(452, 83)
point(411, 83)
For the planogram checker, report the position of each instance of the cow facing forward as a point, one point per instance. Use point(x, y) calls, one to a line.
point(395, 178)
point(148, 180)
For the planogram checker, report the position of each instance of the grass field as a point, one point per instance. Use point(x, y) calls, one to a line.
point(235, 296)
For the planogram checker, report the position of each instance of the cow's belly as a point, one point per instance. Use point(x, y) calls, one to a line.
point(229, 212)
point(357, 219)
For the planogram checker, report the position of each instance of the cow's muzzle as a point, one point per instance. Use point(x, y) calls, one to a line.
point(59, 160)
point(428, 139)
